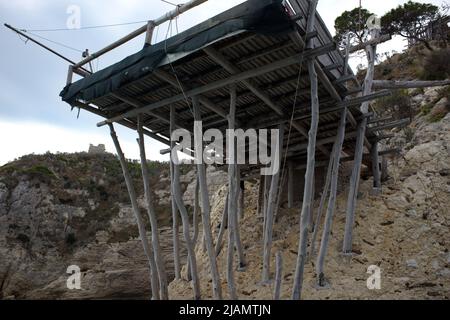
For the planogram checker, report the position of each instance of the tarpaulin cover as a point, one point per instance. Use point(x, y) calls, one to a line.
point(259, 16)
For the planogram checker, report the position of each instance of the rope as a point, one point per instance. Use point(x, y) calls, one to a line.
point(169, 28)
point(90, 27)
point(52, 41)
point(284, 173)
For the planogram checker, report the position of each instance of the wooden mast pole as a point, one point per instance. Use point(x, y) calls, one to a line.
point(137, 214)
point(160, 264)
point(354, 182)
point(271, 207)
point(309, 176)
point(176, 186)
point(206, 208)
point(233, 195)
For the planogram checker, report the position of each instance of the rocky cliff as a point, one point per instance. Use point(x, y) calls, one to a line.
point(61, 210)
point(73, 209)
point(404, 231)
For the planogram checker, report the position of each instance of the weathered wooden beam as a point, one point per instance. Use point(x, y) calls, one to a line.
point(221, 83)
point(223, 226)
point(271, 207)
point(291, 173)
point(219, 58)
point(331, 202)
point(166, 17)
point(363, 46)
point(165, 76)
point(206, 207)
point(176, 186)
point(278, 275)
point(160, 264)
point(346, 78)
point(354, 182)
point(376, 167)
point(398, 84)
point(137, 214)
point(232, 201)
point(309, 177)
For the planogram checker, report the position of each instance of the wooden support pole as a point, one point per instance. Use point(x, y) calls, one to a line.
point(278, 275)
point(393, 84)
point(260, 204)
point(359, 149)
point(160, 263)
point(195, 220)
point(223, 226)
point(353, 191)
point(241, 207)
point(309, 176)
point(271, 207)
point(233, 197)
point(323, 198)
point(149, 32)
point(331, 201)
point(137, 214)
point(206, 208)
point(291, 172)
point(376, 168)
point(176, 185)
point(175, 214)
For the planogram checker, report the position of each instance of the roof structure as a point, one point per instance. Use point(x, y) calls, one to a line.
point(259, 46)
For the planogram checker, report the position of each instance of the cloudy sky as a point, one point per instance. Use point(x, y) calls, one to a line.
point(32, 117)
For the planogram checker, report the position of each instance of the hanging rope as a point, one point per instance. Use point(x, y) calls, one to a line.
point(51, 41)
point(169, 29)
point(297, 89)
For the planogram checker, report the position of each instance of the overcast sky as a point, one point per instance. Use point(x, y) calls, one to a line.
point(33, 119)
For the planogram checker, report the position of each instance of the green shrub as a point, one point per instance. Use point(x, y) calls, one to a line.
point(398, 104)
point(437, 65)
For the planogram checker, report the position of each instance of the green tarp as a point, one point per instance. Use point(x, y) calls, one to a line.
point(258, 16)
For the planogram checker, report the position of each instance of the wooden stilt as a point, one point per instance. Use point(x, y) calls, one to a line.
point(241, 208)
point(195, 221)
point(237, 232)
point(280, 193)
point(160, 264)
point(137, 214)
point(267, 183)
point(376, 168)
point(309, 177)
point(354, 182)
point(332, 201)
point(260, 205)
point(175, 217)
point(291, 185)
point(271, 206)
point(176, 186)
point(216, 284)
point(233, 198)
point(223, 227)
point(323, 198)
point(278, 275)
point(353, 191)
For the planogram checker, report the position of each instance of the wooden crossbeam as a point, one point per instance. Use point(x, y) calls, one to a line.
point(219, 58)
point(222, 83)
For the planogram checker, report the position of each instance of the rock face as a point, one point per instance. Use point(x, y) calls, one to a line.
point(404, 231)
point(62, 210)
point(58, 211)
